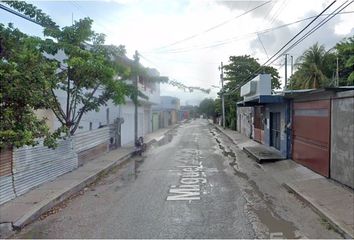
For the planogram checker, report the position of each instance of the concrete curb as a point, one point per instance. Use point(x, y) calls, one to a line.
point(220, 130)
point(320, 212)
point(302, 198)
point(46, 205)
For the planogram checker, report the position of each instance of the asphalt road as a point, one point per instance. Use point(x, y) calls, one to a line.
point(185, 187)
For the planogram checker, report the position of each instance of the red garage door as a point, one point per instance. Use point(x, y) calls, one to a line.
point(311, 126)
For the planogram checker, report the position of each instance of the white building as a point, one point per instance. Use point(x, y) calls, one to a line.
point(110, 112)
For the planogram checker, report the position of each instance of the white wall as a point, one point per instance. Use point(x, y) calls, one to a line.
point(144, 122)
point(96, 118)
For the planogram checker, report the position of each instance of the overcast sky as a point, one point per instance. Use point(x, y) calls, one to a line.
point(187, 39)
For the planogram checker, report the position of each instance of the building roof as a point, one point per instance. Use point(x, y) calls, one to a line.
point(308, 92)
point(261, 99)
point(281, 97)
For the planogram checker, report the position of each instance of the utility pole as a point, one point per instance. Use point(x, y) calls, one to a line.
point(292, 64)
point(337, 74)
point(222, 94)
point(292, 70)
point(286, 71)
point(136, 80)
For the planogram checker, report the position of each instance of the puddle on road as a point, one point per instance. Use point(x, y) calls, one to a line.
point(118, 177)
point(166, 139)
point(277, 226)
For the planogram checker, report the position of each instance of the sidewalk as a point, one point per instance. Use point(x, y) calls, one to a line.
point(26, 208)
point(328, 198)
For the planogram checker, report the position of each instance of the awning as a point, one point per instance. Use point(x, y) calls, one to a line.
point(260, 100)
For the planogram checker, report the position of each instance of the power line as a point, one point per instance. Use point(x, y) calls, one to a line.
point(329, 17)
point(240, 37)
point(279, 10)
point(324, 21)
point(262, 45)
point(260, 68)
point(20, 15)
point(79, 7)
point(214, 27)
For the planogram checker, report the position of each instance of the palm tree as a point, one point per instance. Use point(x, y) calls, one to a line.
point(314, 65)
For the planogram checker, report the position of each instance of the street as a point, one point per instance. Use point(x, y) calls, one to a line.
point(196, 184)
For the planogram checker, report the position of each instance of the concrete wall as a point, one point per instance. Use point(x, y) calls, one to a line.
point(244, 121)
point(342, 138)
point(283, 121)
point(144, 122)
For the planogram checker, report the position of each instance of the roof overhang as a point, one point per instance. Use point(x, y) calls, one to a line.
point(260, 100)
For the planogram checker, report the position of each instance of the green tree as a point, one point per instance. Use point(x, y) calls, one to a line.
point(24, 85)
point(237, 71)
point(88, 76)
point(207, 107)
point(241, 68)
point(315, 68)
point(345, 52)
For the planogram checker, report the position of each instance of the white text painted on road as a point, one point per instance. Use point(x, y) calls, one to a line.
point(189, 189)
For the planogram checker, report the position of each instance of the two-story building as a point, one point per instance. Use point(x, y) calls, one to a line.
point(110, 113)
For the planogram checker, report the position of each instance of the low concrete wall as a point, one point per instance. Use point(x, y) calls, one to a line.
point(342, 135)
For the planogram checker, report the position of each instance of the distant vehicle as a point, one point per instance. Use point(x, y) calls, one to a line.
point(201, 116)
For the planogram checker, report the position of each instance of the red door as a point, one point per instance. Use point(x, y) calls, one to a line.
point(311, 135)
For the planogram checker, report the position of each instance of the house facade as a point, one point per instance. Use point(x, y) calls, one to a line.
point(266, 116)
point(314, 127)
point(111, 113)
point(167, 111)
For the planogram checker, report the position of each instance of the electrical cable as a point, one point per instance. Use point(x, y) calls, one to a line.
point(234, 39)
point(260, 68)
point(214, 27)
point(324, 21)
point(19, 14)
point(333, 14)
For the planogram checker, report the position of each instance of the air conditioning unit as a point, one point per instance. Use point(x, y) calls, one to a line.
point(260, 85)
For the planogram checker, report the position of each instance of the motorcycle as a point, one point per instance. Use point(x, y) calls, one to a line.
point(140, 146)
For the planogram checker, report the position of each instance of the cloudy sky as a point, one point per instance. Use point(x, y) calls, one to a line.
point(187, 39)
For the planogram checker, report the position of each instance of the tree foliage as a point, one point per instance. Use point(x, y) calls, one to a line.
point(345, 51)
point(207, 107)
point(25, 81)
point(314, 68)
point(71, 64)
point(238, 71)
point(242, 68)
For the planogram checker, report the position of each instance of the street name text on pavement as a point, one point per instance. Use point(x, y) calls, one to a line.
point(190, 183)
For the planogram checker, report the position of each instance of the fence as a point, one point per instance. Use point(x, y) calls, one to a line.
point(35, 165)
point(90, 144)
point(6, 188)
point(22, 169)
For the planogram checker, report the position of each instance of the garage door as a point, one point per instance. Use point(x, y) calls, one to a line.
point(311, 133)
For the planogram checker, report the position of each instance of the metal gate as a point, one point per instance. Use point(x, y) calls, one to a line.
point(311, 135)
point(275, 130)
point(258, 124)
